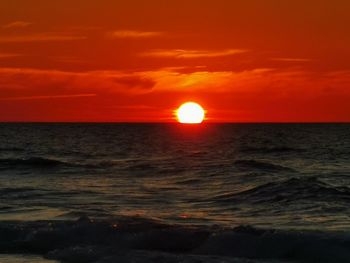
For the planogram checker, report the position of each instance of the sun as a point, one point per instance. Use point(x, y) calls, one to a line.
point(190, 112)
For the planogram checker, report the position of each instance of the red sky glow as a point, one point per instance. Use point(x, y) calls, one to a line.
point(138, 60)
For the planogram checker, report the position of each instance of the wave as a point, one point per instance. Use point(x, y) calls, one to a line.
point(10, 190)
point(42, 162)
point(22, 193)
point(10, 149)
point(31, 162)
point(260, 165)
point(128, 165)
point(294, 189)
point(143, 240)
point(276, 149)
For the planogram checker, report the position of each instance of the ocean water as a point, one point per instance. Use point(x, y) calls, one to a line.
point(239, 192)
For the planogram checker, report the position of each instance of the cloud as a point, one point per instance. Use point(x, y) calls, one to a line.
point(41, 37)
point(70, 60)
point(17, 24)
point(138, 82)
point(49, 97)
point(182, 53)
point(26, 82)
point(260, 83)
point(252, 94)
point(9, 55)
point(292, 59)
point(134, 34)
point(204, 81)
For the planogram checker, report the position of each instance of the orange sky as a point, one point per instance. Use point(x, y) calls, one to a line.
point(137, 60)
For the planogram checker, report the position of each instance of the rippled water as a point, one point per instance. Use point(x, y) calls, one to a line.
point(267, 175)
point(170, 193)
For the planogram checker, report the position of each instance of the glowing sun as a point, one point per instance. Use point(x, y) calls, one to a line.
point(190, 112)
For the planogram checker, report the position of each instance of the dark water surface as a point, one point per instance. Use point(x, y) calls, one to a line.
point(289, 177)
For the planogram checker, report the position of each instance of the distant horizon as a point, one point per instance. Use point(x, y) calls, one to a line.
point(173, 122)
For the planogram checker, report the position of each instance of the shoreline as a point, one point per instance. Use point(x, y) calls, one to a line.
point(87, 240)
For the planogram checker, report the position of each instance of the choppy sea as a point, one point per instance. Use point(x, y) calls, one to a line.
point(175, 193)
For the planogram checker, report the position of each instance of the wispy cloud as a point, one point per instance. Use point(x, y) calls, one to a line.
point(204, 81)
point(182, 53)
point(70, 60)
point(134, 34)
point(9, 55)
point(42, 84)
point(38, 81)
point(292, 59)
point(255, 91)
point(50, 97)
point(41, 37)
point(17, 24)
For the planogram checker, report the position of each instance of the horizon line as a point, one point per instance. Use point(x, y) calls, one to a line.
point(173, 122)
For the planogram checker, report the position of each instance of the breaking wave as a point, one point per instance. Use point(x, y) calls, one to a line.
point(133, 239)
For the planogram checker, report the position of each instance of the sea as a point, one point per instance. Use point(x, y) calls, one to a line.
point(151, 192)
